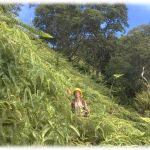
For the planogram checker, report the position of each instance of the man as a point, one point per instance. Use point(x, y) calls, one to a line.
point(78, 105)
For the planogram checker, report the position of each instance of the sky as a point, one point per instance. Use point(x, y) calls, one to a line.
point(137, 14)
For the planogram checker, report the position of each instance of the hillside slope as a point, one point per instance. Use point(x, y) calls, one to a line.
point(35, 107)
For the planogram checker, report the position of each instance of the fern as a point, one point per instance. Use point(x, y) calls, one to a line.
point(12, 20)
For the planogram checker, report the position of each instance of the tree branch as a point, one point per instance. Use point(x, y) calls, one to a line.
point(142, 74)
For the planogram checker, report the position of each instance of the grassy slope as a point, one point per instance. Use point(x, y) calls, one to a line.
point(35, 107)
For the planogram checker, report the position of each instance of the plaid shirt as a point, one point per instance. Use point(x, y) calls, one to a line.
point(80, 109)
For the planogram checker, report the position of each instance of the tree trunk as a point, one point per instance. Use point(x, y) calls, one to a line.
point(97, 73)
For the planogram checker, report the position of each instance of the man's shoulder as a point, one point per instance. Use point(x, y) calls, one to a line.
point(83, 100)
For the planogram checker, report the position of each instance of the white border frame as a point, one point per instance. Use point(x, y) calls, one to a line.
point(76, 1)
point(99, 147)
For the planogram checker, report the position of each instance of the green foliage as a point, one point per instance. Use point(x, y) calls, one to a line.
point(10, 8)
point(116, 76)
point(84, 32)
point(11, 19)
point(35, 107)
point(142, 102)
point(131, 55)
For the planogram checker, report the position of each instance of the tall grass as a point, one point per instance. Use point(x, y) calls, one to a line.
point(35, 107)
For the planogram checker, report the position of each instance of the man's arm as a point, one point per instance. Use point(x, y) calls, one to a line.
point(72, 107)
point(86, 107)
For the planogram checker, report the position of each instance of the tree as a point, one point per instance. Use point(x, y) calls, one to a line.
point(132, 53)
point(83, 31)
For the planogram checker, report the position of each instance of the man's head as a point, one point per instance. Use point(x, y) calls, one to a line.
point(77, 93)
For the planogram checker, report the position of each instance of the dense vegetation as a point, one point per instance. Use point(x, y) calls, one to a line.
point(84, 32)
point(35, 106)
point(10, 8)
point(87, 35)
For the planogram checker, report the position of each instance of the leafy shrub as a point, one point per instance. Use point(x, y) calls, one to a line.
point(142, 102)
